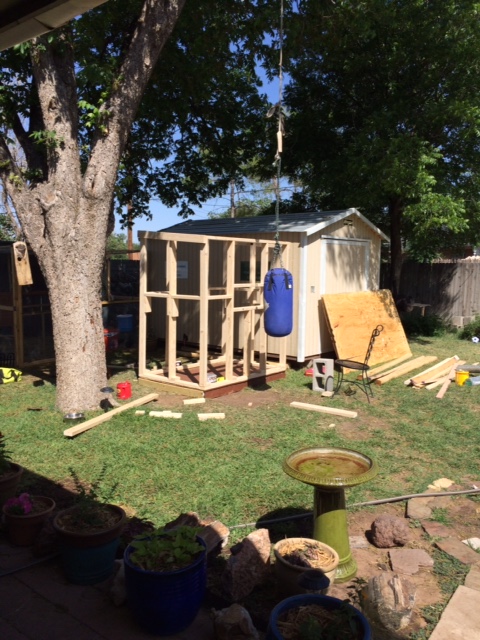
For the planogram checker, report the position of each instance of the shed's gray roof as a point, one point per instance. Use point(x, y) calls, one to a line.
point(307, 223)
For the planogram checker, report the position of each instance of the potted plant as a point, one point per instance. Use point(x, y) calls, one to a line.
point(165, 579)
point(25, 516)
point(89, 532)
point(314, 616)
point(294, 556)
point(10, 473)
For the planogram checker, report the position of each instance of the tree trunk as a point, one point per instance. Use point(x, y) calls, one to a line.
point(395, 210)
point(64, 208)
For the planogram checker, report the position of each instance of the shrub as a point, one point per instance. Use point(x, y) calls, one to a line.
point(417, 325)
point(470, 330)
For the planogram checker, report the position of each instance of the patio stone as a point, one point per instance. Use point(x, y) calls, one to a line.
point(458, 550)
point(409, 561)
point(461, 617)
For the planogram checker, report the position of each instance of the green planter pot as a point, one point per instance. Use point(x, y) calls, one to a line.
point(89, 558)
point(24, 529)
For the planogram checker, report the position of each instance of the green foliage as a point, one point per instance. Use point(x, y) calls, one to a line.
point(48, 138)
point(384, 115)
point(89, 500)
point(5, 456)
point(471, 330)
point(166, 550)
point(418, 325)
point(118, 242)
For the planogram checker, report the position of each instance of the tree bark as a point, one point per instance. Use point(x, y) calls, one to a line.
point(64, 214)
point(395, 210)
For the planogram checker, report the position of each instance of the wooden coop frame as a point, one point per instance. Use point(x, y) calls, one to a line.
point(257, 365)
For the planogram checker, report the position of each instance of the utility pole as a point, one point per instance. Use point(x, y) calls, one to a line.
point(233, 210)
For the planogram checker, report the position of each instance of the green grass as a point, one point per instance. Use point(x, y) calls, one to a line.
point(231, 469)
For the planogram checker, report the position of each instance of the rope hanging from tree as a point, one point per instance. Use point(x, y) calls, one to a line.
point(278, 284)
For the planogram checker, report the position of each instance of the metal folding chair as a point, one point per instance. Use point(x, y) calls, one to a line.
point(363, 367)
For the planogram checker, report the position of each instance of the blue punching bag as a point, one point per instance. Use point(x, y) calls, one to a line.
point(278, 294)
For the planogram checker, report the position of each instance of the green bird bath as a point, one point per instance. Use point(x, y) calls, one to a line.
point(330, 470)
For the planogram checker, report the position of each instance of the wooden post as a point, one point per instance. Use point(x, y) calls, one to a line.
point(228, 324)
point(143, 308)
point(204, 304)
point(22, 264)
point(171, 325)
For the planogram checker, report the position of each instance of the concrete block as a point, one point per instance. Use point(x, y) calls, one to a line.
point(322, 379)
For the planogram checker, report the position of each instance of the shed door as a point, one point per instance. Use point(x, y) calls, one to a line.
point(344, 265)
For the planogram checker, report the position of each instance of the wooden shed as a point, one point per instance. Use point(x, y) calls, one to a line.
point(326, 252)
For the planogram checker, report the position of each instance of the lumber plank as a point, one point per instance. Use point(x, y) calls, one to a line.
point(433, 373)
point(321, 409)
point(210, 416)
point(400, 367)
point(449, 379)
point(411, 365)
point(387, 365)
point(89, 424)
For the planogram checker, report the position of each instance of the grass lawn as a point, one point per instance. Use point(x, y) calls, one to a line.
point(231, 469)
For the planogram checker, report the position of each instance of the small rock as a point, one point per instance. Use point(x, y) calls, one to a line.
point(388, 600)
point(215, 535)
point(234, 623)
point(473, 543)
point(249, 566)
point(418, 509)
point(441, 483)
point(409, 560)
point(390, 531)
point(359, 542)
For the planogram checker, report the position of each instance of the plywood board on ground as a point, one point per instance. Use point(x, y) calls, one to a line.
point(353, 316)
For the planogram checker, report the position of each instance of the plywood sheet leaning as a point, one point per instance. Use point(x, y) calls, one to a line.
point(352, 317)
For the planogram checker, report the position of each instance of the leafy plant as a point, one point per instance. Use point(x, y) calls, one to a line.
point(5, 457)
point(20, 506)
point(89, 511)
point(471, 330)
point(166, 550)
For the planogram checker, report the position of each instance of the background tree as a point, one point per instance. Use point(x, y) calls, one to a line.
point(69, 103)
point(384, 115)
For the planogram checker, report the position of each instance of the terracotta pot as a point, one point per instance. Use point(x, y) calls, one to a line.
point(24, 529)
point(9, 482)
point(288, 573)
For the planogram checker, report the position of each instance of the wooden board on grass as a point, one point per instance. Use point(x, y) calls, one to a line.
point(411, 365)
point(352, 317)
point(438, 370)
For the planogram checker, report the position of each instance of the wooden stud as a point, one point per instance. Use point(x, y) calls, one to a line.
point(449, 379)
point(388, 365)
point(210, 416)
point(89, 424)
point(321, 409)
point(432, 373)
point(416, 363)
point(194, 401)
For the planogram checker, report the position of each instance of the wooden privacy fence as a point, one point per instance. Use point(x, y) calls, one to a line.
point(451, 288)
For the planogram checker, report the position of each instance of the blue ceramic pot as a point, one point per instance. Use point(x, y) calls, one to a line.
point(328, 602)
point(165, 602)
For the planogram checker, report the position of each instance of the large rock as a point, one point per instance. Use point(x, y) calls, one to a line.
point(213, 532)
point(234, 623)
point(248, 565)
point(389, 531)
point(388, 601)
